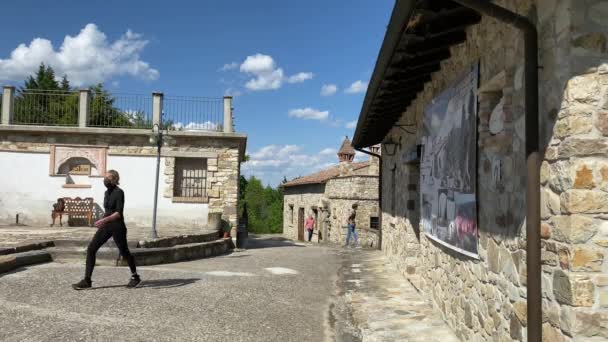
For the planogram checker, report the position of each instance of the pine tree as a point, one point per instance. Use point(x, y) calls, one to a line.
point(40, 101)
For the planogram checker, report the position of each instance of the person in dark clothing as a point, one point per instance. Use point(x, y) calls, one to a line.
point(112, 225)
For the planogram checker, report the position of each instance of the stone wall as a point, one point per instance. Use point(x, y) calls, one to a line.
point(308, 197)
point(486, 298)
point(334, 199)
point(223, 155)
point(341, 194)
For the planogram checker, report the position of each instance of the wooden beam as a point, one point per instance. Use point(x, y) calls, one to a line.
point(401, 75)
point(441, 40)
point(424, 59)
point(405, 81)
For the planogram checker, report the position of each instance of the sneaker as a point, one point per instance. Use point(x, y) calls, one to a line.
point(81, 285)
point(135, 280)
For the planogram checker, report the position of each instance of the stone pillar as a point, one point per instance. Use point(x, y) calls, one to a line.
point(84, 107)
point(157, 108)
point(8, 103)
point(228, 114)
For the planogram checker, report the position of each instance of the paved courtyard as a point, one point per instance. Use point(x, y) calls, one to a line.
point(273, 291)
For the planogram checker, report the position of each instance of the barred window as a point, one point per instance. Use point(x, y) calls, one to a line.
point(190, 177)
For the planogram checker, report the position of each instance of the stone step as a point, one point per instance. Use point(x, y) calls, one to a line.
point(145, 256)
point(16, 260)
point(25, 247)
point(84, 243)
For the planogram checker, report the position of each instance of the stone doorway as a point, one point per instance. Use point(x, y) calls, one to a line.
point(301, 224)
point(315, 212)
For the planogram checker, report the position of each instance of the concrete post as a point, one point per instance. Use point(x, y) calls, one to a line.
point(228, 114)
point(157, 108)
point(8, 105)
point(84, 107)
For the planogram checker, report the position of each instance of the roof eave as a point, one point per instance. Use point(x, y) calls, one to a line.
point(398, 23)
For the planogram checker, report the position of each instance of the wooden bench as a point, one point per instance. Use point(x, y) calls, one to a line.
point(80, 208)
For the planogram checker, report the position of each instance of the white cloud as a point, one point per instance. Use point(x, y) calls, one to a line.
point(328, 151)
point(309, 114)
point(300, 77)
point(232, 92)
point(273, 162)
point(357, 87)
point(360, 156)
point(86, 58)
point(275, 151)
point(351, 124)
point(206, 126)
point(328, 89)
point(267, 75)
point(229, 66)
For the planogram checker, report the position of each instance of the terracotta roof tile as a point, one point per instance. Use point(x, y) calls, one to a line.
point(346, 147)
point(324, 175)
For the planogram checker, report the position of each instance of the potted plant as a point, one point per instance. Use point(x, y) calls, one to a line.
point(226, 228)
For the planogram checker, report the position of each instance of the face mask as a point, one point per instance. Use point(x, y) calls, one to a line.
point(108, 184)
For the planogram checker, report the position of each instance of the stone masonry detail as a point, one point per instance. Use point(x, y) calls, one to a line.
point(485, 299)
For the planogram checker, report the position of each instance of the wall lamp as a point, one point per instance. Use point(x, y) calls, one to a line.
point(390, 145)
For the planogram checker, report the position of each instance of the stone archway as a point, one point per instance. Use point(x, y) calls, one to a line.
point(95, 155)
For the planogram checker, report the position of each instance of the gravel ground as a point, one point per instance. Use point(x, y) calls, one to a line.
point(273, 291)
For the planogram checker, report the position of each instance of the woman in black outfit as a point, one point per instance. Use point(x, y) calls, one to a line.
point(111, 225)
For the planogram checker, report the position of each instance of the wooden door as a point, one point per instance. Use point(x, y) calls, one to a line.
point(301, 224)
point(316, 213)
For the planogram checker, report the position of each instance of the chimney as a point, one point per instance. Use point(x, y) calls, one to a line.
point(374, 162)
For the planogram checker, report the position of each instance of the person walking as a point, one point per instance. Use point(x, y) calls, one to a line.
point(352, 214)
point(112, 225)
point(310, 226)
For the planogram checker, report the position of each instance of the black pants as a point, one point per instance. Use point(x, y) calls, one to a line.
point(117, 231)
point(309, 235)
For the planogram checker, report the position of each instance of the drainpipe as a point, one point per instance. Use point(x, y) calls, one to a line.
point(379, 192)
point(534, 294)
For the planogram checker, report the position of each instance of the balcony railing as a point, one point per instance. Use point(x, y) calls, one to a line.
point(45, 108)
point(101, 109)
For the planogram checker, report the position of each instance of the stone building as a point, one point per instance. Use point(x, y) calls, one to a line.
point(329, 194)
point(447, 100)
point(199, 168)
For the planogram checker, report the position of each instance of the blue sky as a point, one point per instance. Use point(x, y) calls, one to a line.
point(274, 56)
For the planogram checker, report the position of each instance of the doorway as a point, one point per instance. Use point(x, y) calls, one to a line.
point(315, 212)
point(301, 224)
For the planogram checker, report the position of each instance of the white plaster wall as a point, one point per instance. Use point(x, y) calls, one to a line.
point(27, 189)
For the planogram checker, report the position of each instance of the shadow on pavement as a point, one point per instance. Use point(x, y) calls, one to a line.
point(17, 270)
point(155, 284)
point(256, 242)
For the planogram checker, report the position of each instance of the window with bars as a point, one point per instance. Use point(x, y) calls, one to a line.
point(190, 178)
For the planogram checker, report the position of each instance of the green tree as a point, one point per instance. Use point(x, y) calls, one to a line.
point(103, 111)
point(44, 101)
point(264, 206)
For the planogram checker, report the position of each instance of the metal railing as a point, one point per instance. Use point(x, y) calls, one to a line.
point(45, 107)
point(120, 110)
point(193, 113)
point(94, 108)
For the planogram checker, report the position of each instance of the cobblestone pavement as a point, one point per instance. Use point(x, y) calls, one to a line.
point(376, 303)
point(275, 290)
point(13, 235)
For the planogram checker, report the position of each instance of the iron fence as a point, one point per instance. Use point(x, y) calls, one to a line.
point(185, 113)
point(45, 107)
point(120, 110)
